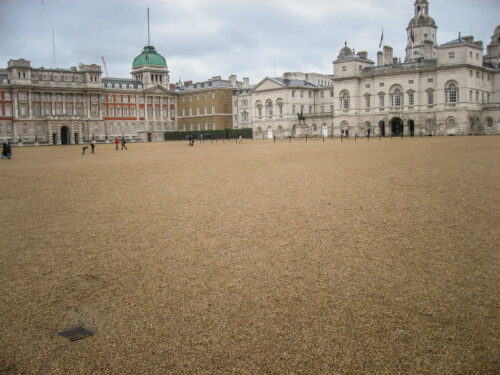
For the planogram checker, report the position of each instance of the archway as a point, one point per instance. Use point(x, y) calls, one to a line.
point(396, 126)
point(64, 135)
point(411, 126)
point(381, 128)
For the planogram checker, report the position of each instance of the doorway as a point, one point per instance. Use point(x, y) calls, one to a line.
point(64, 135)
point(396, 127)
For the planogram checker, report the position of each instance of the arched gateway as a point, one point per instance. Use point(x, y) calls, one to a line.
point(64, 135)
point(396, 126)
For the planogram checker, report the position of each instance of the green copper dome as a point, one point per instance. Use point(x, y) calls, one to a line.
point(149, 56)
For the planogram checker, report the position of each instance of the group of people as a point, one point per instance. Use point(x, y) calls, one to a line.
point(6, 150)
point(124, 143)
point(92, 145)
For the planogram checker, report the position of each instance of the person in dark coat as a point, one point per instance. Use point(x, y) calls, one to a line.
point(4, 150)
point(124, 142)
point(9, 150)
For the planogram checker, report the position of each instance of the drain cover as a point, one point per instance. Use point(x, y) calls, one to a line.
point(76, 333)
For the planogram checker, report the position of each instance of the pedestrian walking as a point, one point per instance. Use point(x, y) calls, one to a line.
point(84, 148)
point(92, 144)
point(124, 143)
point(4, 150)
point(368, 130)
point(241, 141)
point(9, 150)
point(117, 141)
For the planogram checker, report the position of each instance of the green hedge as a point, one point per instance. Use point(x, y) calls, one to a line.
point(214, 134)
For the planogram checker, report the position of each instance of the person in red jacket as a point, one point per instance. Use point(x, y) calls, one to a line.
point(117, 141)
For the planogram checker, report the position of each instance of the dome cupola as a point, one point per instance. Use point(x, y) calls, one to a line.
point(149, 56)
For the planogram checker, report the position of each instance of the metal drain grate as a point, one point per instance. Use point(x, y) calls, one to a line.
point(76, 333)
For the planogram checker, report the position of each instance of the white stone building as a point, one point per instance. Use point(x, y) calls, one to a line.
point(447, 89)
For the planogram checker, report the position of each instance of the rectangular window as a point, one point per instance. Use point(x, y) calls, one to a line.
point(430, 98)
point(322, 109)
point(125, 112)
point(190, 111)
point(410, 99)
point(331, 93)
point(331, 108)
point(183, 112)
point(199, 126)
point(118, 112)
point(451, 55)
point(411, 82)
point(205, 97)
point(322, 94)
point(22, 110)
point(141, 112)
point(293, 109)
point(214, 126)
point(430, 80)
point(213, 110)
point(132, 99)
point(132, 111)
point(381, 84)
point(381, 101)
point(206, 123)
point(39, 128)
point(367, 99)
point(213, 94)
point(7, 96)
point(293, 93)
point(310, 109)
point(197, 111)
point(141, 99)
point(8, 110)
point(205, 110)
point(25, 128)
point(344, 68)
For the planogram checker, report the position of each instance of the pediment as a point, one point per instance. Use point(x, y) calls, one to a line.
point(268, 84)
point(157, 90)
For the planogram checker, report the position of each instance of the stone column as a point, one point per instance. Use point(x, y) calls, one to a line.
point(15, 113)
point(30, 105)
point(49, 131)
point(88, 104)
point(80, 137)
point(161, 107)
point(72, 134)
point(58, 135)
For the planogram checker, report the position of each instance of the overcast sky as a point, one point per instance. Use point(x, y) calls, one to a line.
point(205, 38)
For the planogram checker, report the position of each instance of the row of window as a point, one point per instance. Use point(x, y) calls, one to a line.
point(205, 111)
point(205, 96)
point(309, 93)
point(198, 126)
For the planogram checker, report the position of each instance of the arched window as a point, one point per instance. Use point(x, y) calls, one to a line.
point(259, 110)
point(259, 130)
point(314, 127)
point(345, 100)
point(451, 123)
point(280, 130)
point(489, 122)
point(269, 108)
point(279, 103)
point(451, 90)
point(397, 98)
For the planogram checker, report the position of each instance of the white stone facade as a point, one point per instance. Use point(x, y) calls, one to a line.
point(448, 89)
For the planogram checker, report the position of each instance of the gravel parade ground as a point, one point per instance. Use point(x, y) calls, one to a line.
point(367, 257)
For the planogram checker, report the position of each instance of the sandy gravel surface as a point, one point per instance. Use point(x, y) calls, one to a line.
point(377, 257)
